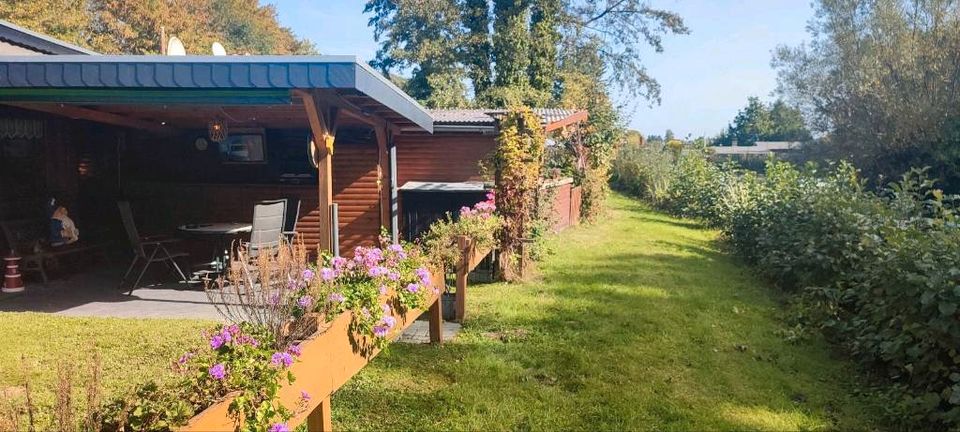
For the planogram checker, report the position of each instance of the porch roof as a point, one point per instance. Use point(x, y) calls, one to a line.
point(235, 80)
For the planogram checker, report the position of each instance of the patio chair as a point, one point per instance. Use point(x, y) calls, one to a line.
point(147, 250)
point(291, 218)
point(268, 221)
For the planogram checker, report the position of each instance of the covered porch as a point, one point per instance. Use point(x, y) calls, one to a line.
point(196, 140)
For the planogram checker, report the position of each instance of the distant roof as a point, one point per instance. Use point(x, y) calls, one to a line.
point(550, 118)
point(759, 148)
point(74, 78)
point(14, 34)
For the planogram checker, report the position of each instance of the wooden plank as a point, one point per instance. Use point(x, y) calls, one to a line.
point(321, 419)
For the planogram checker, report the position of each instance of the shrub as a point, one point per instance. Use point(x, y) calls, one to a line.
point(875, 271)
point(478, 223)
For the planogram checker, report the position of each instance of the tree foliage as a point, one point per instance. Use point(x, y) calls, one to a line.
point(761, 122)
point(880, 81)
point(133, 26)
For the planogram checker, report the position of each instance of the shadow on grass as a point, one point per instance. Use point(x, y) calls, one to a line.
point(612, 338)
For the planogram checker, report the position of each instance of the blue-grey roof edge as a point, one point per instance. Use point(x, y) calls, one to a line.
point(210, 72)
point(39, 41)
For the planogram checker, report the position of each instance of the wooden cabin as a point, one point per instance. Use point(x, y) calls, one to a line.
point(91, 130)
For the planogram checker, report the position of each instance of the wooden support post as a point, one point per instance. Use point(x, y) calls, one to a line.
point(384, 185)
point(320, 128)
point(463, 269)
point(321, 420)
point(435, 314)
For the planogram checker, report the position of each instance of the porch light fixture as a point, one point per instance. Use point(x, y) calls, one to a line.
point(217, 130)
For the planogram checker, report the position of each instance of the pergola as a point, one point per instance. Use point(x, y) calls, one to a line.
point(167, 94)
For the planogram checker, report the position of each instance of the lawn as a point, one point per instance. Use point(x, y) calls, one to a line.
point(131, 351)
point(640, 322)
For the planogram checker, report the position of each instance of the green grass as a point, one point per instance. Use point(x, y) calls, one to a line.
point(131, 351)
point(639, 322)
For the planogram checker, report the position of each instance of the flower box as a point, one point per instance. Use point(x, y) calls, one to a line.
point(329, 359)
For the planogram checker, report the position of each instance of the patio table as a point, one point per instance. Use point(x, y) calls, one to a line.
point(220, 232)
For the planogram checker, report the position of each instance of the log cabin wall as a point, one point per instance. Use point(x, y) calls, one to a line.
point(73, 161)
point(170, 183)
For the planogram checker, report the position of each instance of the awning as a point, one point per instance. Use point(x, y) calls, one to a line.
point(444, 187)
point(128, 79)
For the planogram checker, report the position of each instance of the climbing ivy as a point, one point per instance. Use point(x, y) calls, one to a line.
point(517, 164)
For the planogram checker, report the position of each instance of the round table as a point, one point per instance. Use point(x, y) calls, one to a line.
point(220, 232)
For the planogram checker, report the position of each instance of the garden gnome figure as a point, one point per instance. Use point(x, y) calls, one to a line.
point(12, 282)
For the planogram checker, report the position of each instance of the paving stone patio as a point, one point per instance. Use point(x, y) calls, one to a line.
point(95, 293)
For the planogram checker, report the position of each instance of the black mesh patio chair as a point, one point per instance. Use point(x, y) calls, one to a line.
point(147, 250)
point(268, 222)
point(291, 218)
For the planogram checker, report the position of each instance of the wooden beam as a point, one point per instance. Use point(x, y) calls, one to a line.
point(577, 117)
point(81, 113)
point(324, 160)
point(383, 176)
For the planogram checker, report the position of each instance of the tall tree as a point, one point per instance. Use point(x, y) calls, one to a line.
point(545, 38)
point(426, 37)
point(133, 26)
point(477, 54)
point(880, 81)
point(511, 52)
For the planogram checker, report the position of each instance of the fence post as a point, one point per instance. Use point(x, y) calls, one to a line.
point(463, 270)
point(435, 314)
point(321, 420)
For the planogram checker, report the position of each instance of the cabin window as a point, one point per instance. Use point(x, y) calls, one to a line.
point(243, 148)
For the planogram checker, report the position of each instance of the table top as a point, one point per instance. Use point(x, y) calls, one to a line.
point(217, 228)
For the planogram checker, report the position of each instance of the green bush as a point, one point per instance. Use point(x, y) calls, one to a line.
point(877, 272)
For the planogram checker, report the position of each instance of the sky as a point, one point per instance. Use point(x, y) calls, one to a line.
point(705, 77)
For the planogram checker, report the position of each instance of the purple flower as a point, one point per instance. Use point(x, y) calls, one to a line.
point(232, 329)
point(383, 290)
point(184, 358)
point(389, 321)
point(413, 287)
point(308, 274)
point(338, 262)
point(393, 275)
point(294, 350)
point(217, 341)
point(282, 359)
point(279, 427)
point(364, 311)
point(327, 274)
point(305, 302)
point(395, 248)
point(217, 371)
point(424, 275)
point(386, 308)
point(490, 196)
point(336, 297)
point(377, 271)
point(304, 395)
point(380, 331)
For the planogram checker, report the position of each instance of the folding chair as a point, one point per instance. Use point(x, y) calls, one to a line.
point(147, 250)
point(267, 232)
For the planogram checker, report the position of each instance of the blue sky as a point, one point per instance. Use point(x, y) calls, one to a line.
point(706, 76)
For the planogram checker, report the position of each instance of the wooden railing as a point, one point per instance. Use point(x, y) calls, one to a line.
point(328, 360)
point(470, 258)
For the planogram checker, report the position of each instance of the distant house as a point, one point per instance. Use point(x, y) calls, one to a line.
point(761, 148)
point(16, 40)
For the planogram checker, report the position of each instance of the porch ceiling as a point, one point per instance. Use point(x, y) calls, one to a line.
point(186, 90)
